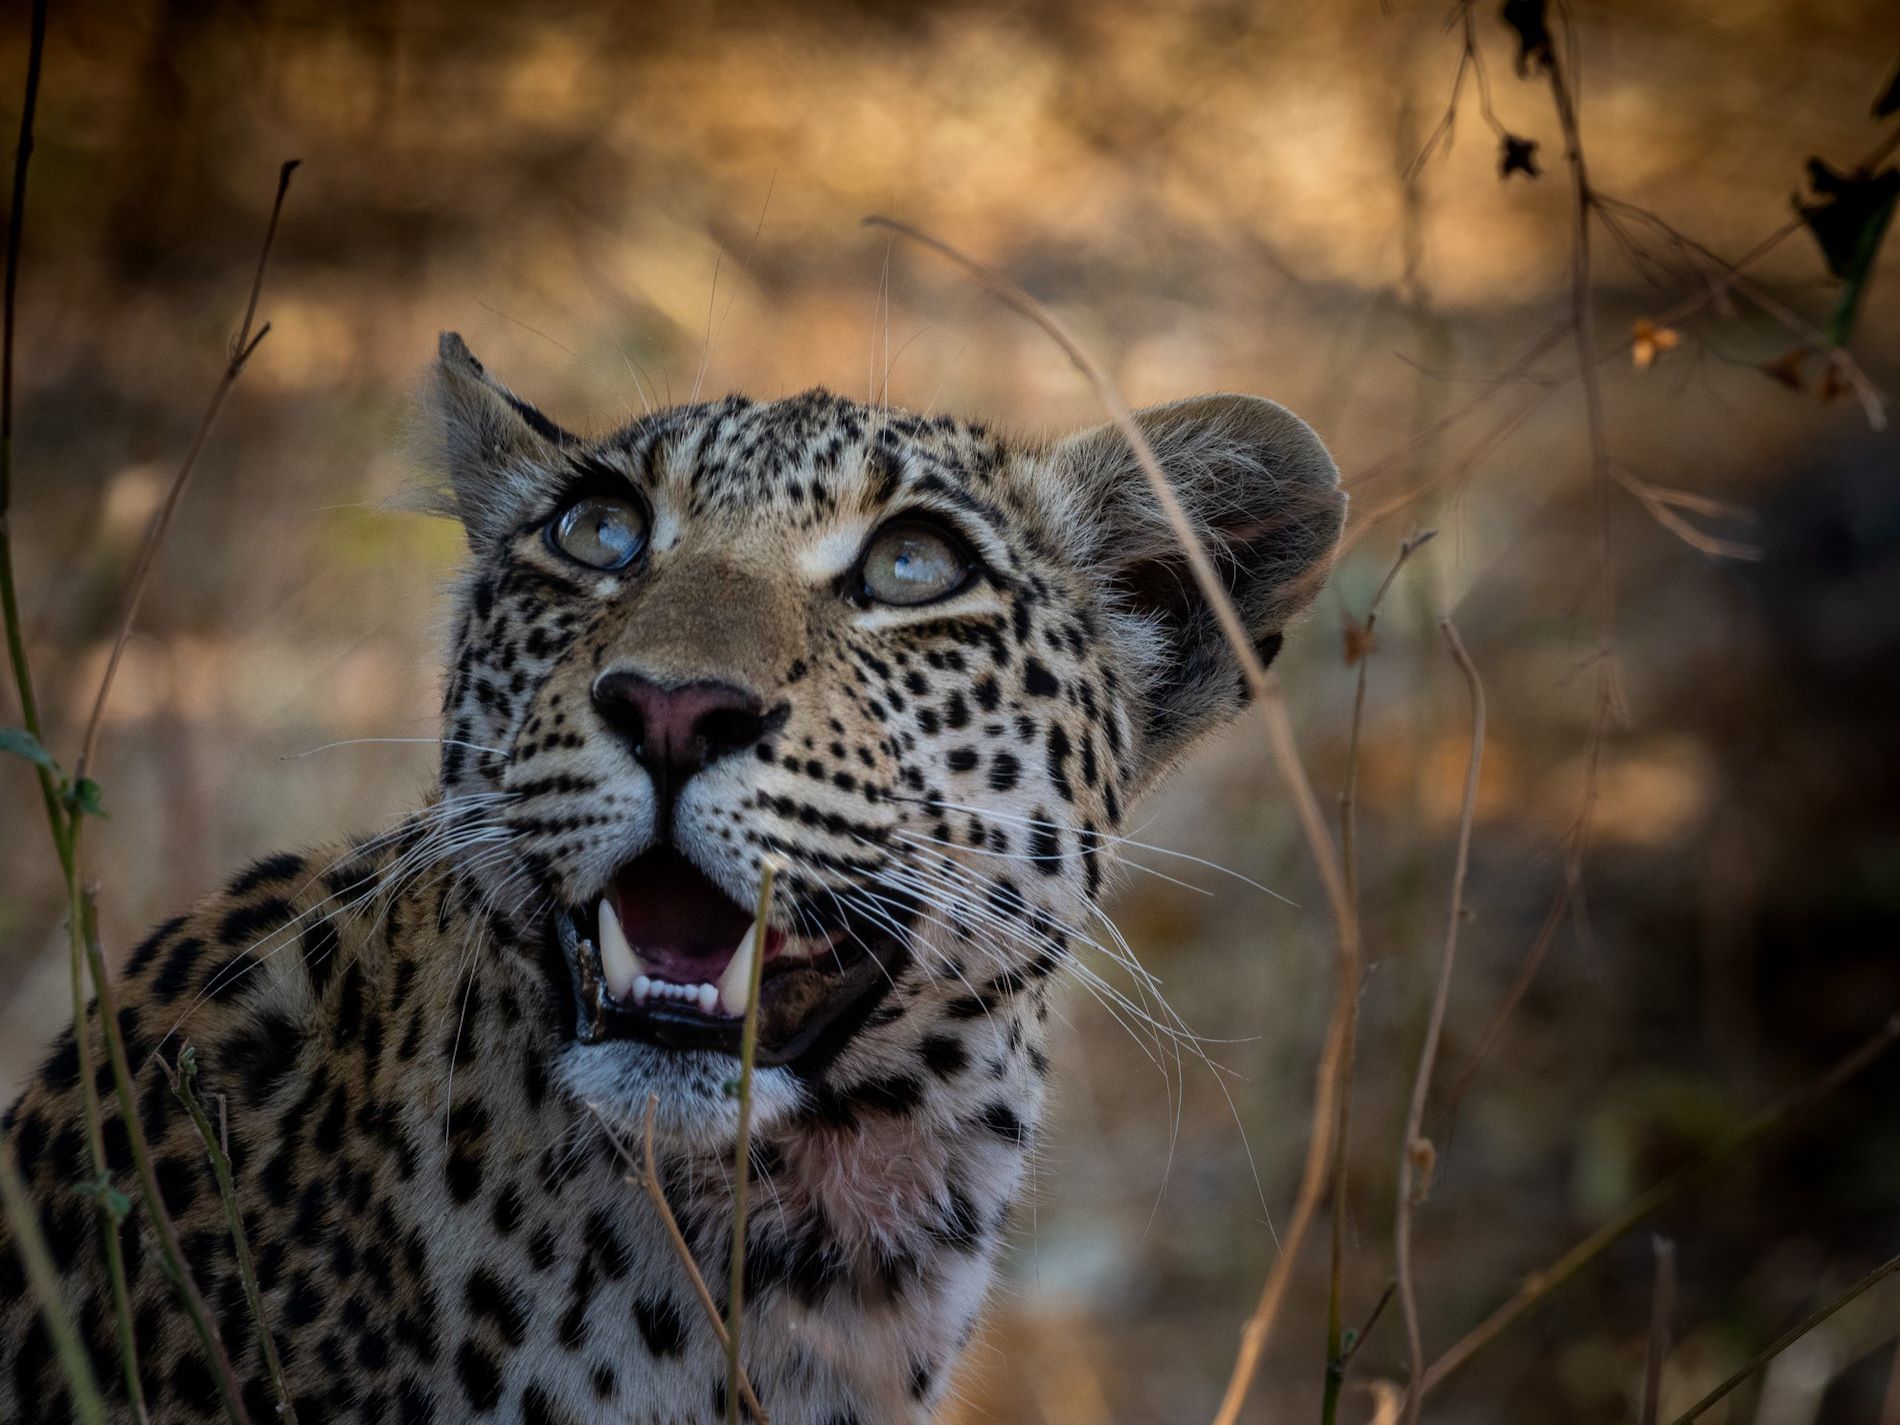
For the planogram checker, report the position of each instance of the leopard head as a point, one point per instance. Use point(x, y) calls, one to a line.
point(919, 669)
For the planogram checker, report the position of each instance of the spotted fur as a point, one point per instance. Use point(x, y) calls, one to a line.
point(434, 1174)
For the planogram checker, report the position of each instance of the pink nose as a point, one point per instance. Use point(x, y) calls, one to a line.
point(674, 732)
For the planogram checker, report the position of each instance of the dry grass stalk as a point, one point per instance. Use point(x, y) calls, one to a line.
point(182, 1082)
point(1554, 920)
point(647, 1177)
point(1787, 1339)
point(1542, 1283)
point(62, 797)
point(172, 1255)
point(242, 346)
point(1360, 647)
point(30, 1243)
point(742, 1152)
point(110, 1204)
point(1415, 1151)
point(1662, 1306)
point(70, 799)
point(81, 910)
point(1873, 401)
point(1272, 702)
point(1719, 278)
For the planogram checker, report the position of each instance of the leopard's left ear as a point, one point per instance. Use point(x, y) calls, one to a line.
point(1264, 496)
point(495, 448)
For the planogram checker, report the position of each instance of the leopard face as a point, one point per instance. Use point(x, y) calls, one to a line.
point(919, 670)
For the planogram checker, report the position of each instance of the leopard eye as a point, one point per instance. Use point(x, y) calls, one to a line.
point(600, 531)
point(913, 562)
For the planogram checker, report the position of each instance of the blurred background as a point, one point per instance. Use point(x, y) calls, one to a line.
point(618, 204)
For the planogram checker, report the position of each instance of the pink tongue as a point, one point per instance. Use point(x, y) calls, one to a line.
point(677, 921)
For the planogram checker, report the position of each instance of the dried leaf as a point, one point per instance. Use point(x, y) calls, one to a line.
point(1359, 641)
point(1786, 368)
point(1833, 384)
point(1531, 20)
point(1651, 342)
point(1849, 219)
point(1518, 155)
point(1849, 214)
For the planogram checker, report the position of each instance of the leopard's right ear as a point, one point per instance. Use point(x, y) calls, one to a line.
point(496, 450)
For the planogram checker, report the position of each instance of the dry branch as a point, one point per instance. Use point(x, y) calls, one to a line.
point(742, 1151)
point(1266, 691)
point(1415, 1151)
point(1721, 277)
point(1541, 1284)
point(182, 1084)
point(647, 1176)
point(170, 1253)
point(30, 1243)
point(242, 345)
point(1360, 647)
point(62, 798)
point(1787, 1339)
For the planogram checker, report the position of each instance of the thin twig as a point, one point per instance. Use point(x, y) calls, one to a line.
point(9, 597)
point(66, 818)
point(1872, 399)
point(1745, 1134)
point(1609, 696)
point(182, 1081)
point(1788, 1338)
point(1206, 577)
point(67, 830)
point(742, 1152)
point(647, 1175)
point(1470, 60)
point(1540, 946)
point(1415, 1150)
point(30, 1243)
point(1714, 290)
point(242, 345)
point(1662, 1306)
point(1359, 648)
point(1365, 1328)
point(1266, 691)
point(62, 819)
point(78, 917)
point(199, 1313)
point(1661, 503)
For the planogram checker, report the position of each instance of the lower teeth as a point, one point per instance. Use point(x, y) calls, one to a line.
point(703, 997)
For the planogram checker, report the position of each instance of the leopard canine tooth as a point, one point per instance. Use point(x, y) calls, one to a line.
point(616, 955)
point(735, 986)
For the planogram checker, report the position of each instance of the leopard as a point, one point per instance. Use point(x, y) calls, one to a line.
point(785, 753)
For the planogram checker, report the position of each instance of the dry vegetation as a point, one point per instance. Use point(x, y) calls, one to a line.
point(1602, 934)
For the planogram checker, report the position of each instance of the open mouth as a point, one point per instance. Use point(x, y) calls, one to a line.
point(667, 957)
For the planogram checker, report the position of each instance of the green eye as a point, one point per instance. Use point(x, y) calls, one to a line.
point(912, 562)
point(600, 532)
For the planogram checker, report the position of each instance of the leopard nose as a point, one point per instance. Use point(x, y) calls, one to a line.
point(675, 730)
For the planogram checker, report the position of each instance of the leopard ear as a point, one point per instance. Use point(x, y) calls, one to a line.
point(495, 448)
point(1264, 497)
